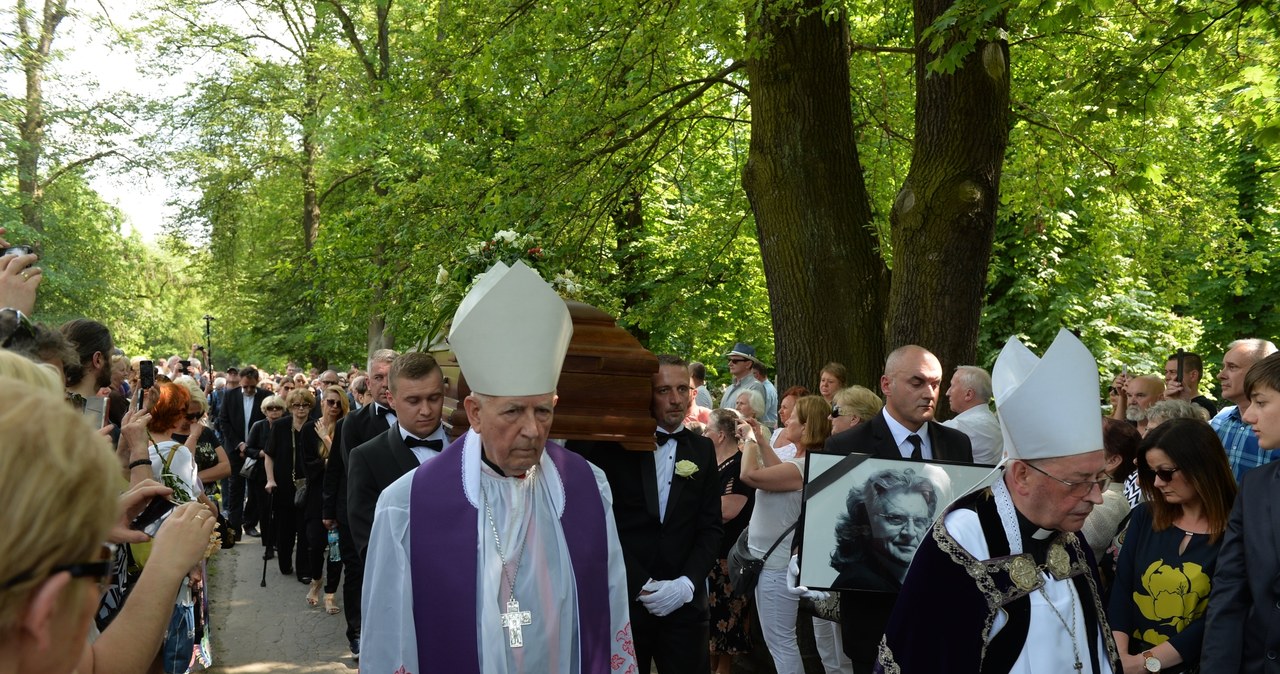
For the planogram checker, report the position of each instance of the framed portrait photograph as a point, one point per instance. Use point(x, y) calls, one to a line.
point(864, 521)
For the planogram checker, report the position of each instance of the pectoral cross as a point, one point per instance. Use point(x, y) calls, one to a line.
point(513, 620)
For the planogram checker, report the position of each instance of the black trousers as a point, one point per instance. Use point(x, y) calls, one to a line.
point(260, 506)
point(318, 556)
point(235, 498)
point(678, 643)
point(289, 529)
point(353, 583)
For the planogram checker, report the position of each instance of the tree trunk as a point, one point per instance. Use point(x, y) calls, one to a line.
point(34, 49)
point(943, 219)
point(628, 222)
point(804, 180)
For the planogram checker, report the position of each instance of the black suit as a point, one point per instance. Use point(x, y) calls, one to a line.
point(865, 614)
point(373, 467)
point(685, 544)
point(231, 421)
point(354, 430)
point(1242, 632)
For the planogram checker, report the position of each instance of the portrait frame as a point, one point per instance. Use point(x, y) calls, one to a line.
point(827, 520)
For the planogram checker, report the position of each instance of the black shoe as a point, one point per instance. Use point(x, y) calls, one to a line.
point(252, 532)
point(271, 553)
point(305, 580)
point(355, 648)
point(236, 534)
point(286, 570)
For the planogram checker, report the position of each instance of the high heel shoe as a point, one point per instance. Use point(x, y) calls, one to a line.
point(330, 604)
point(313, 595)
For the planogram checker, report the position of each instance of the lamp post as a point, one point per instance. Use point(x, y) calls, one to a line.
point(208, 344)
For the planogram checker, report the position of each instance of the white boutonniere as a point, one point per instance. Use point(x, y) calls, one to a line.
point(686, 468)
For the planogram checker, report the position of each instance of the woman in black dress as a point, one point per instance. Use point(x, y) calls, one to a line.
point(728, 614)
point(333, 408)
point(292, 458)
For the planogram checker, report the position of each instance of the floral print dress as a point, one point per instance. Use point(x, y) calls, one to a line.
point(1161, 594)
point(730, 633)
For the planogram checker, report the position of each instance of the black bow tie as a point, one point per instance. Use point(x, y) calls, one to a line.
point(662, 438)
point(412, 442)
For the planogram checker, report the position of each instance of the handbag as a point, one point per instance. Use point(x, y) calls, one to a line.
point(744, 568)
point(827, 609)
point(248, 470)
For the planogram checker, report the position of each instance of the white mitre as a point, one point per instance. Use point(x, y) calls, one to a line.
point(1048, 406)
point(511, 332)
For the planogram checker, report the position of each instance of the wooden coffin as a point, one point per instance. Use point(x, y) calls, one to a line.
point(605, 386)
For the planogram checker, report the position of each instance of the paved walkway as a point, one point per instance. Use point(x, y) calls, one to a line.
point(270, 629)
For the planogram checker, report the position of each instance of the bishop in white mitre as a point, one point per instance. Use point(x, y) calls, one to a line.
point(501, 554)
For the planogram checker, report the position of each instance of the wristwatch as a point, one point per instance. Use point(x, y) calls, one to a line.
point(1150, 661)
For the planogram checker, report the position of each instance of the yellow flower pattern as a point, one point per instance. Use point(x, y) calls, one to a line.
point(1173, 596)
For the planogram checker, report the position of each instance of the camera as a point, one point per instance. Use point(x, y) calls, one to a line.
point(19, 250)
point(149, 520)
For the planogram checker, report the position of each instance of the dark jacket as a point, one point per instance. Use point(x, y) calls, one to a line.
point(231, 423)
point(373, 466)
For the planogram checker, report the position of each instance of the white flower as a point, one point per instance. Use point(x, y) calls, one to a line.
point(686, 468)
point(566, 282)
point(474, 249)
point(506, 235)
point(442, 276)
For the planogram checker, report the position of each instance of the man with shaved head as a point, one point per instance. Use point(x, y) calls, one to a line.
point(905, 428)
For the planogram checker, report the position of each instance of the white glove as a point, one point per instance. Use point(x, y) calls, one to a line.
point(665, 596)
point(793, 572)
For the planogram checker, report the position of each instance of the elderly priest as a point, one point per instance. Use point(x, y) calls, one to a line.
point(500, 554)
point(1006, 565)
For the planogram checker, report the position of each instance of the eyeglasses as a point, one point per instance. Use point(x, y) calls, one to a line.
point(300, 406)
point(1076, 488)
point(331, 402)
point(899, 520)
point(273, 408)
point(195, 416)
point(1165, 474)
point(835, 411)
point(102, 570)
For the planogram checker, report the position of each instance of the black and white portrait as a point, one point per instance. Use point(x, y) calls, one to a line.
point(862, 530)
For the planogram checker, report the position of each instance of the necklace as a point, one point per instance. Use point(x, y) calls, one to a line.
point(514, 619)
point(1071, 630)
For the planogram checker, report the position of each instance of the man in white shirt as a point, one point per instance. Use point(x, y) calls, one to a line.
point(969, 393)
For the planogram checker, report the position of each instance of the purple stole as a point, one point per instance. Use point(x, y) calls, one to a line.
point(442, 562)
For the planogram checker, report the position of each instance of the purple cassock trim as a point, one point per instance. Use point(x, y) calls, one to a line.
point(443, 562)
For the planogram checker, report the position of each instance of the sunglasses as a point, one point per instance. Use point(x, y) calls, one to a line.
point(300, 406)
point(735, 361)
point(101, 570)
point(1165, 474)
point(16, 327)
point(835, 411)
point(194, 416)
point(1114, 391)
point(331, 402)
point(273, 408)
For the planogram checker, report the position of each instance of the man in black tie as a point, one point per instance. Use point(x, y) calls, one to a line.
point(417, 395)
point(904, 429)
point(667, 507)
point(354, 430)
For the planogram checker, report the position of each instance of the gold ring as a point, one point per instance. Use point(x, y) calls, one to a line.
point(26, 275)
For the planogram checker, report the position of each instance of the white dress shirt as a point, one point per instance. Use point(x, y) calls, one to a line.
point(901, 433)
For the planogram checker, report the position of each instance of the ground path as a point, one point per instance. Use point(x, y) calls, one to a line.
point(270, 629)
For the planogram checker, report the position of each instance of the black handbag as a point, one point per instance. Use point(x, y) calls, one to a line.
point(250, 469)
point(744, 568)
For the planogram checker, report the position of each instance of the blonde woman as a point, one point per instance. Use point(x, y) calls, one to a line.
point(334, 406)
point(852, 406)
point(53, 564)
point(779, 486)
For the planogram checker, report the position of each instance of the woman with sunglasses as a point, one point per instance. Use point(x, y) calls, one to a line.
point(852, 406)
point(54, 566)
point(332, 410)
point(1161, 589)
point(254, 447)
point(211, 459)
point(292, 456)
point(174, 466)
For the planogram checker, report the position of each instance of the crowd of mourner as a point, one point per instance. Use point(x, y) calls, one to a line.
point(1101, 534)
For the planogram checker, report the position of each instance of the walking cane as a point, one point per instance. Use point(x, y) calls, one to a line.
point(266, 538)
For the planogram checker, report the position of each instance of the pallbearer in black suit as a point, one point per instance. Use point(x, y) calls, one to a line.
point(240, 409)
point(668, 511)
point(354, 430)
point(905, 428)
point(417, 395)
